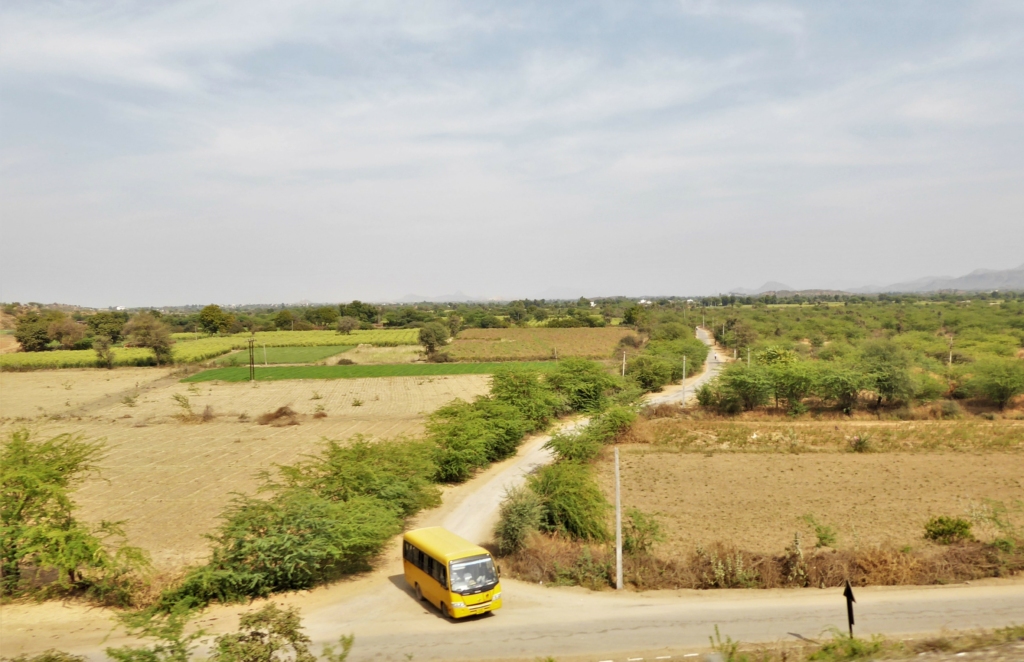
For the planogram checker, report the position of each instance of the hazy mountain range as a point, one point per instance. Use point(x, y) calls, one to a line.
point(977, 281)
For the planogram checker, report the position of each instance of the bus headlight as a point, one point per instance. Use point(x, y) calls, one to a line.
point(458, 605)
point(496, 596)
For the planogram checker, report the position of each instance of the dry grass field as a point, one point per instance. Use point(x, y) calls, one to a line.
point(170, 477)
point(52, 392)
point(750, 484)
point(8, 343)
point(535, 344)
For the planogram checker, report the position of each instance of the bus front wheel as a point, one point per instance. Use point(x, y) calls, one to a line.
point(445, 612)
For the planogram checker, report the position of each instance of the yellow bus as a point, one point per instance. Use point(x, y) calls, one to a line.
point(451, 573)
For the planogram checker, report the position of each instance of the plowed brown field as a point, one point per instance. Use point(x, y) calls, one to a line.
point(536, 344)
point(756, 501)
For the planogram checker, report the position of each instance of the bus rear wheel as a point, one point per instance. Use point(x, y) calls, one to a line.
point(419, 593)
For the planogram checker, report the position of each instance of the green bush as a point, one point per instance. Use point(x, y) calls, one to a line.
point(519, 515)
point(639, 532)
point(523, 389)
point(750, 384)
point(469, 435)
point(650, 372)
point(999, 380)
point(838, 384)
point(292, 541)
point(398, 473)
point(584, 385)
point(584, 443)
point(39, 525)
point(948, 530)
point(573, 504)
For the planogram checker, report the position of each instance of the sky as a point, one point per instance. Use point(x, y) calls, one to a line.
point(170, 153)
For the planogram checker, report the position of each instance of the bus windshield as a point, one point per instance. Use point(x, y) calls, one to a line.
point(473, 575)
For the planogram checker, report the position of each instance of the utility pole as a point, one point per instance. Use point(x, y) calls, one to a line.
point(623, 363)
point(951, 350)
point(265, 355)
point(748, 357)
point(252, 359)
point(684, 380)
point(618, 526)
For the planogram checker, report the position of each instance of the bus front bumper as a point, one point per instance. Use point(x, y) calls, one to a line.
point(470, 610)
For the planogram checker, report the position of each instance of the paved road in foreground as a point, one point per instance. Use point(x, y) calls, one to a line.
point(536, 621)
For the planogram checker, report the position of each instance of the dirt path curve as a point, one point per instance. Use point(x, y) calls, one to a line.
point(389, 624)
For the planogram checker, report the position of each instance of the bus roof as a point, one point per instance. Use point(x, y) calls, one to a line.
point(442, 544)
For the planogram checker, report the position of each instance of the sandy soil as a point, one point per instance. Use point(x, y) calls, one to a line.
point(8, 344)
point(170, 479)
point(50, 392)
point(756, 501)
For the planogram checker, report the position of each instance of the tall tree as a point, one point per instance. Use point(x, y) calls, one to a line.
point(144, 330)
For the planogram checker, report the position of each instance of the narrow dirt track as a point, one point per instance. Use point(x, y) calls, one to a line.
point(536, 621)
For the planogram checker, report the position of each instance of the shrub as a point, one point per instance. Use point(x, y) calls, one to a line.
point(1000, 380)
point(432, 336)
point(750, 384)
point(292, 541)
point(398, 473)
point(639, 532)
point(825, 534)
point(713, 395)
point(39, 527)
point(522, 388)
point(104, 354)
point(650, 372)
point(583, 384)
point(469, 435)
point(948, 530)
point(572, 501)
point(519, 515)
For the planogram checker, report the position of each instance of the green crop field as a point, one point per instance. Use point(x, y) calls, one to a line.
point(187, 349)
point(73, 358)
point(360, 371)
point(273, 355)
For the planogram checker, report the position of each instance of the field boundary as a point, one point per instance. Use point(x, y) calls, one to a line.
point(273, 373)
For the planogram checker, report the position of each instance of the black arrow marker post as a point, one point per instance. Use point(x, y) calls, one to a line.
point(848, 594)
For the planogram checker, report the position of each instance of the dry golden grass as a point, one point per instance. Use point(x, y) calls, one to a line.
point(554, 560)
point(8, 344)
point(778, 434)
point(367, 354)
point(169, 475)
point(536, 344)
point(62, 392)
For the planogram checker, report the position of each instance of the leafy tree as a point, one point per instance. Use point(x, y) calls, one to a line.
point(37, 513)
point(433, 336)
point(321, 316)
point(284, 320)
point(66, 331)
point(104, 354)
point(752, 385)
point(107, 323)
point(364, 312)
point(888, 371)
point(840, 385)
point(773, 355)
point(32, 331)
point(585, 385)
point(454, 325)
point(522, 388)
point(650, 372)
point(791, 382)
point(144, 330)
point(1000, 380)
point(213, 319)
point(347, 324)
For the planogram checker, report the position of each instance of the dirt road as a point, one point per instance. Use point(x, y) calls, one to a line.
point(536, 621)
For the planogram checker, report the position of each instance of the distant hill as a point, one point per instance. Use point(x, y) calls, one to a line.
point(977, 281)
point(770, 286)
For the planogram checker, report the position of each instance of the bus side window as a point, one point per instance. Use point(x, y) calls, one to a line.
point(421, 560)
point(440, 575)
